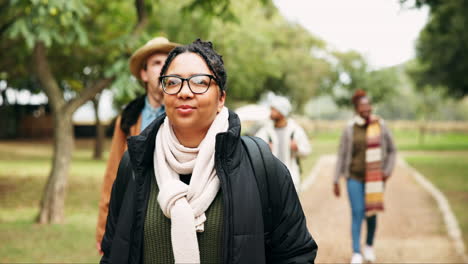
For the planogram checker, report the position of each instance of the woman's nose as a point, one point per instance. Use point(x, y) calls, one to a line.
point(185, 91)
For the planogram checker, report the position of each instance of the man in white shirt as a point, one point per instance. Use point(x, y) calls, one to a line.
point(288, 141)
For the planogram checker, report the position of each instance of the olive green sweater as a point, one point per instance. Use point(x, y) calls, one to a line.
point(358, 156)
point(157, 232)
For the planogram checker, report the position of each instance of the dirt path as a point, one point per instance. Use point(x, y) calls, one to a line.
point(411, 230)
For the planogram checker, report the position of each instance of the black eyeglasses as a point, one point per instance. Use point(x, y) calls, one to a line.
point(198, 83)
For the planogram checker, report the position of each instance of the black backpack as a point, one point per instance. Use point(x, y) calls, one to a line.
point(262, 161)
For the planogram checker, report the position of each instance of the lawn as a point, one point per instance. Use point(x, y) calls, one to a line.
point(322, 144)
point(24, 167)
point(409, 140)
point(449, 172)
point(442, 159)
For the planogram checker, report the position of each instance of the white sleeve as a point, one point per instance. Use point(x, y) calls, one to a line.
point(302, 141)
point(263, 134)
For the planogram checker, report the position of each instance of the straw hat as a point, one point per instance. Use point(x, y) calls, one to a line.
point(158, 44)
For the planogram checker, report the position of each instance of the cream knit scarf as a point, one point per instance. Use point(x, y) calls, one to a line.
point(186, 204)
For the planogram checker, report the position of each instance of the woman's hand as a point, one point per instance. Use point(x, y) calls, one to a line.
point(336, 189)
point(98, 247)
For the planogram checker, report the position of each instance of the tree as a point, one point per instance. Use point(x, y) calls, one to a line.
point(58, 26)
point(382, 84)
point(352, 73)
point(264, 52)
point(303, 71)
point(442, 47)
point(232, 26)
point(429, 99)
point(52, 203)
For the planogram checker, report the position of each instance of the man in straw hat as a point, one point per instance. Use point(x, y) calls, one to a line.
point(145, 65)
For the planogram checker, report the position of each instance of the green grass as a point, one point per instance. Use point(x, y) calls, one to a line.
point(322, 143)
point(443, 159)
point(449, 172)
point(24, 167)
point(410, 140)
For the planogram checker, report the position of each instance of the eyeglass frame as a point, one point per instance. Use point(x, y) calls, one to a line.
point(188, 82)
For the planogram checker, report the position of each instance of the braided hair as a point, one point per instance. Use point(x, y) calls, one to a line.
point(210, 56)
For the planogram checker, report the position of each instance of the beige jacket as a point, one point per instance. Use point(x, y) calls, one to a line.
point(118, 147)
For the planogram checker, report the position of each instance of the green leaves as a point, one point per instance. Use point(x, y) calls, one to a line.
point(212, 8)
point(49, 21)
point(352, 73)
point(442, 47)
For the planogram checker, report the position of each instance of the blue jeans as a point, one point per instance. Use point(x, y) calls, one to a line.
point(356, 195)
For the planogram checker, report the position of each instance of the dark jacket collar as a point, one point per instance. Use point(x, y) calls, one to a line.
point(141, 147)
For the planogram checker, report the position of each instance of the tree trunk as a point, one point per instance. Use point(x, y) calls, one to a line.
point(422, 132)
point(100, 131)
point(4, 97)
point(53, 199)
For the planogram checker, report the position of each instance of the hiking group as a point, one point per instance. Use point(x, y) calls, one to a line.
point(183, 186)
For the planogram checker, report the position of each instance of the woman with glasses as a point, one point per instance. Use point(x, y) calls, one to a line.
point(186, 191)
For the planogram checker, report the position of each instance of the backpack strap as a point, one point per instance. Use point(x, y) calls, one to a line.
point(262, 162)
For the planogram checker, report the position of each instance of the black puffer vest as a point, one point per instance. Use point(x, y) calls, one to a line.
point(243, 231)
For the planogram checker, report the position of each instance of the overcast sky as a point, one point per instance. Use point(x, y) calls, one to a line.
point(381, 30)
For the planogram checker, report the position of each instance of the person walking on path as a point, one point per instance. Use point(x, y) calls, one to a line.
point(411, 230)
point(145, 65)
point(366, 158)
point(288, 141)
point(186, 191)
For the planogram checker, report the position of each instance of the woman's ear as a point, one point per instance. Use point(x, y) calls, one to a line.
point(221, 100)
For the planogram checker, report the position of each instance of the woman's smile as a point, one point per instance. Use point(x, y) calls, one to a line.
point(185, 109)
